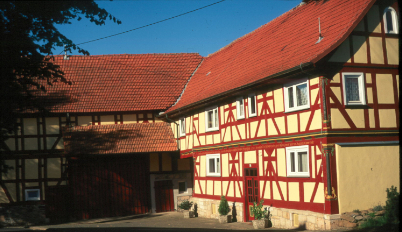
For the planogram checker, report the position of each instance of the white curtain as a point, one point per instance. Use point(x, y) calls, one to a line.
point(352, 89)
point(301, 93)
point(302, 161)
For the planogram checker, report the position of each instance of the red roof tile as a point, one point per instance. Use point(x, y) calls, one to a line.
point(284, 43)
point(124, 82)
point(119, 139)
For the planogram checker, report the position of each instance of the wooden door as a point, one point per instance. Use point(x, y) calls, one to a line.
point(252, 191)
point(164, 196)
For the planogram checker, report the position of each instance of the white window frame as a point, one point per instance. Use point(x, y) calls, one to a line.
point(217, 164)
point(394, 21)
point(182, 125)
point(286, 95)
point(239, 104)
point(250, 96)
point(296, 149)
point(27, 198)
point(362, 89)
point(215, 124)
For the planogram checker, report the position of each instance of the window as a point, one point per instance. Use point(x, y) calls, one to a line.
point(390, 21)
point(211, 119)
point(240, 108)
point(182, 124)
point(252, 108)
point(353, 89)
point(213, 165)
point(32, 195)
point(297, 161)
point(182, 187)
point(296, 96)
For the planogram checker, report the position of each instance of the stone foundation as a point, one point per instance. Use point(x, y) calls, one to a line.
point(207, 208)
point(22, 215)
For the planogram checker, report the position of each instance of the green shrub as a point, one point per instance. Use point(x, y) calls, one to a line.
point(392, 206)
point(356, 211)
point(223, 206)
point(257, 210)
point(186, 205)
point(378, 208)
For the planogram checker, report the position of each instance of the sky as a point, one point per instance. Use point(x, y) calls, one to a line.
point(204, 31)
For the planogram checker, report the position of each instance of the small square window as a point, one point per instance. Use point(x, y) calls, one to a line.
point(252, 105)
point(32, 194)
point(182, 124)
point(297, 161)
point(212, 119)
point(240, 108)
point(182, 187)
point(213, 165)
point(296, 96)
point(353, 89)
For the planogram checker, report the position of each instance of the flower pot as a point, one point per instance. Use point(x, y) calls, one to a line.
point(225, 218)
point(260, 224)
point(188, 214)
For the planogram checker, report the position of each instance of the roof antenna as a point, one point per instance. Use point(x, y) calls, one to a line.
point(319, 31)
point(65, 53)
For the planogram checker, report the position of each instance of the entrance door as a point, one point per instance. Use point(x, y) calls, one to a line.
point(252, 191)
point(164, 196)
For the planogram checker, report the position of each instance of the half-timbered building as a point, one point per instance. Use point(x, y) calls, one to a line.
point(98, 149)
point(301, 113)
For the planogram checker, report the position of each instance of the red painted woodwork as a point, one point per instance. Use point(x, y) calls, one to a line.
point(58, 203)
point(252, 190)
point(106, 187)
point(164, 196)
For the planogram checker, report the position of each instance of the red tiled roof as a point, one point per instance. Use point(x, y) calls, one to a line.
point(119, 139)
point(284, 43)
point(124, 82)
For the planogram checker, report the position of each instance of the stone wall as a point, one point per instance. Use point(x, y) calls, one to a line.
point(207, 208)
point(22, 215)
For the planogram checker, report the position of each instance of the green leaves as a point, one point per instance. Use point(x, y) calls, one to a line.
point(257, 211)
point(223, 206)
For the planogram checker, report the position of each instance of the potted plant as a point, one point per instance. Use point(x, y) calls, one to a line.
point(186, 206)
point(223, 211)
point(261, 217)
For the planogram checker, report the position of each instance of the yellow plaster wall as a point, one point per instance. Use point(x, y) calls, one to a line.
point(387, 118)
point(183, 143)
point(210, 187)
point(10, 175)
point(31, 143)
point(275, 192)
point(294, 191)
point(202, 186)
point(130, 118)
point(357, 116)
point(304, 120)
point(278, 97)
point(217, 138)
point(261, 129)
point(373, 19)
point(31, 169)
point(281, 158)
point(371, 118)
point(369, 93)
point(218, 190)
point(166, 162)
point(342, 53)
point(308, 190)
point(53, 168)
point(201, 122)
point(225, 165)
point(10, 143)
point(280, 121)
point(292, 123)
point(267, 193)
point(107, 119)
point(203, 170)
point(376, 50)
point(227, 134)
point(359, 49)
point(360, 26)
point(52, 126)
point(12, 190)
point(183, 164)
point(50, 142)
point(385, 90)
point(154, 162)
point(30, 127)
point(392, 50)
point(319, 196)
point(197, 188)
point(337, 93)
point(84, 120)
point(370, 170)
point(316, 122)
point(3, 196)
point(250, 157)
point(337, 119)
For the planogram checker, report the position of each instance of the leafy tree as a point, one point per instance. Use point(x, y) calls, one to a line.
point(27, 37)
point(223, 206)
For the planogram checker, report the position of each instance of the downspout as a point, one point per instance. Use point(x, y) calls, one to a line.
point(177, 131)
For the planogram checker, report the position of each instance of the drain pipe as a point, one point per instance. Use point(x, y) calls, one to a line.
point(177, 131)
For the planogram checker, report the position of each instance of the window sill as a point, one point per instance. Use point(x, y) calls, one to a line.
point(214, 175)
point(299, 175)
point(211, 129)
point(297, 109)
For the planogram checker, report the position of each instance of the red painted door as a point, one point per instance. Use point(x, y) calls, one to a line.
point(251, 191)
point(164, 196)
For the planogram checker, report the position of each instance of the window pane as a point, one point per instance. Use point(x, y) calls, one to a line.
point(388, 17)
point(212, 165)
point(301, 94)
point(302, 161)
point(241, 107)
point(252, 104)
point(33, 194)
point(216, 118)
point(210, 117)
point(183, 126)
point(182, 187)
point(218, 166)
point(352, 89)
point(292, 162)
point(290, 97)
